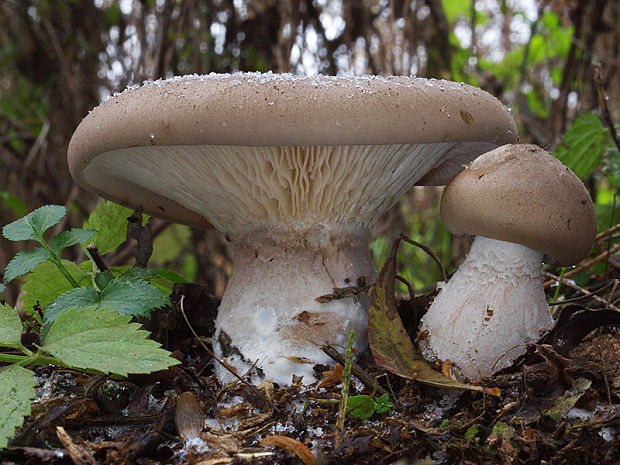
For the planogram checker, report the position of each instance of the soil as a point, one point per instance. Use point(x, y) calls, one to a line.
point(559, 404)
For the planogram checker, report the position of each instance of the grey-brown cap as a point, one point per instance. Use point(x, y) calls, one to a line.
point(522, 194)
point(258, 110)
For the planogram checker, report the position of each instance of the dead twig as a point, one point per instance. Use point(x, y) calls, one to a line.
point(368, 381)
point(570, 283)
point(432, 254)
point(599, 258)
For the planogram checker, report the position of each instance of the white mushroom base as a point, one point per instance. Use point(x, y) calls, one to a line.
point(492, 307)
point(269, 311)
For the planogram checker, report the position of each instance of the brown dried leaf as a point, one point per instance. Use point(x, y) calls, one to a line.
point(188, 416)
point(389, 342)
point(78, 454)
point(292, 446)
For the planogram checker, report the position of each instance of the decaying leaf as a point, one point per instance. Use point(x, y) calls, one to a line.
point(189, 416)
point(390, 343)
point(291, 445)
point(567, 401)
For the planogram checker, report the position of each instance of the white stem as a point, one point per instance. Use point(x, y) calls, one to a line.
point(269, 310)
point(492, 307)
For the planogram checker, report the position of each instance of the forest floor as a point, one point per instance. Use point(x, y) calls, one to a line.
point(559, 404)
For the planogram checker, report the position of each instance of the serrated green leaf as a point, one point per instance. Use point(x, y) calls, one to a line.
point(2, 288)
point(583, 145)
point(103, 340)
point(66, 239)
point(34, 224)
point(80, 297)
point(136, 298)
point(46, 283)
point(16, 391)
point(25, 262)
point(10, 327)
point(109, 220)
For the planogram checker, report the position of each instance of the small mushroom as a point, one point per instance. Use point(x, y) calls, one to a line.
point(295, 170)
point(521, 204)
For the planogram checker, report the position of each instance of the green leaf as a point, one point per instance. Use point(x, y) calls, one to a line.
point(567, 401)
point(103, 340)
point(10, 327)
point(46, 283)
point(583, 145)
point(109, 220)
point(136, 274)
point(2, 288)
point(80, 297)
point(136, 298)
point(16, 391)
point(103, 278)
point(390, 343)
point(25, 262)
point(15, 204)
point(172, 276)
point(361, 406)
point(383, 404)
point(66, 239)
point(34, 224)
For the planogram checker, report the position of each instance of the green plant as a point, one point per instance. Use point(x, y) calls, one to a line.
point(86, 315)
point(364, 406)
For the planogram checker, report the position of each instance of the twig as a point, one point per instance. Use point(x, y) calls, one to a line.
point(344, 390)
point(571, 284)
point(368, 381)
point(601, 257)
point(432, 254)
point(602, 101)
point(607, 232)
point(96, 256)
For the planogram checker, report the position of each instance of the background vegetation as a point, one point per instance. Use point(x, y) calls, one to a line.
point(554, 62)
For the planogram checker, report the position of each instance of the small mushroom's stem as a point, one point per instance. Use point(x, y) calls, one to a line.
point(269, 312)
point(493, 306)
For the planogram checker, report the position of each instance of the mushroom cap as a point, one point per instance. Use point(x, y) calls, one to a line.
point(522, 194)
point(187, 113)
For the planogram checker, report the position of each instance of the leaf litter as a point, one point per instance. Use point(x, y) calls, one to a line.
point(559, 404)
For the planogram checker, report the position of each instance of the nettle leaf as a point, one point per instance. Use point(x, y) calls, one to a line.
point(583, 145)
point(80, 297)
point(46, 283)
point(66, 239)
point(10, 327)
point(34, 224)
point(135, 274)
point(25, 262)
point(109, 220)
point(103, 340)
point(16, 391)
point(136, 298)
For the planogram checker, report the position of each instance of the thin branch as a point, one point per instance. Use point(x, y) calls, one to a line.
point(602, 101)
point(602, 257)
point(570, 283)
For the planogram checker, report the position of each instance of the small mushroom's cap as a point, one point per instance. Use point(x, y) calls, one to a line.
point(522, 194)
point(292, 144)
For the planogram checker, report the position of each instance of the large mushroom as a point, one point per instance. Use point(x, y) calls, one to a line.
point(521, 204)
point(295, 170)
